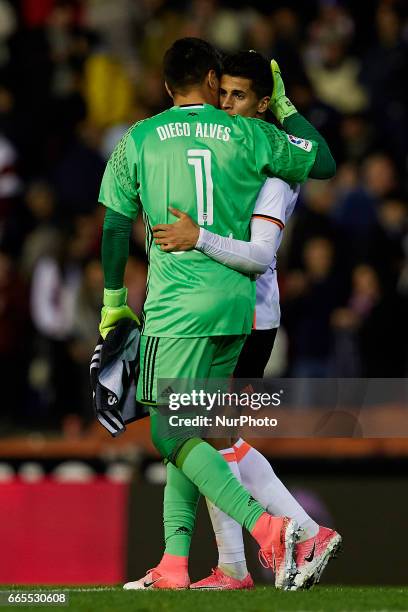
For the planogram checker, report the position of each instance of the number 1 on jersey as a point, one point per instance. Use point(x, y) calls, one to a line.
point(200, 159)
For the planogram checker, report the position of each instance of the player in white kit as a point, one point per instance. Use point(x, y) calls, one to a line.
point(275, 204)
point(245, 89)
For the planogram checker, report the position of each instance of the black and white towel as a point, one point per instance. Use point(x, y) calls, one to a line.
point(114, 372)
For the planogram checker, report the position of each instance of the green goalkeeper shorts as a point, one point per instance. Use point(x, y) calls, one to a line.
point(188, 358)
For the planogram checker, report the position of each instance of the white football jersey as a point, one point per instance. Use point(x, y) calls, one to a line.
point(275, 203)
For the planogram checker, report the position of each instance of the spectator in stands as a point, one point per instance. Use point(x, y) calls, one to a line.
point(42, 233)
point(386, 242)
point(8, 25)
point(376, 319)
point(54, 289)
point(10, 183)
point(359, 138)
point(356, 213)
point(310, 298)
point(13, 341)
point(86, 315)
point(78, 175)
point(383, 74)
point(313, 219)
point(333, 72)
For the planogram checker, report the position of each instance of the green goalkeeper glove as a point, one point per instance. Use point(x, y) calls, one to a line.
point(114, 309)
point(279, 104)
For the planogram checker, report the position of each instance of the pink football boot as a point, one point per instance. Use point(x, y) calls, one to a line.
point(155, 579)
point(218, 581)
point(313, 555)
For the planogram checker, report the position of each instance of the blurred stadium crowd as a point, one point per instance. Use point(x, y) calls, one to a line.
point(75, 74)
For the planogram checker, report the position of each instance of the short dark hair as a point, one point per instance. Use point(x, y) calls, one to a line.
point(188, 61)
point(253, 66)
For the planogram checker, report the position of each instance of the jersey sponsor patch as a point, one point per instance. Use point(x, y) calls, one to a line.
point(300, 142)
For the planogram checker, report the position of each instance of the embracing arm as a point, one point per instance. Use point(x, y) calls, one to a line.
point(275, 200)
point(247, 257)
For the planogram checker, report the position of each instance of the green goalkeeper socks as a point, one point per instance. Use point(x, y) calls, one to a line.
point(180, 506)
point(208, 470)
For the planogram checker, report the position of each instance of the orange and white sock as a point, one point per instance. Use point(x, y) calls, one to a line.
point(258, 476)
point(228, 533)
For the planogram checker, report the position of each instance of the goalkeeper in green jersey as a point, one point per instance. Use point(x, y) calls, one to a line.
point(197, 312)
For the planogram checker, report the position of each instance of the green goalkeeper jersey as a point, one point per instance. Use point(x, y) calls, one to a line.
point(210, 165)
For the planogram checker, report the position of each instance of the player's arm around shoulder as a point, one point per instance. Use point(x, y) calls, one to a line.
point(299, 131)
point(278, 154)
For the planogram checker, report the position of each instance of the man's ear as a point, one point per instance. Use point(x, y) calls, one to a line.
point(263, 104)
point(213, 80)
point(168, 90)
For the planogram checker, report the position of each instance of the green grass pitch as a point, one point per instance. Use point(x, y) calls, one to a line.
point(262, 599)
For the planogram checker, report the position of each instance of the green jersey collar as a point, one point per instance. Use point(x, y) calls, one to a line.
point(188, 106)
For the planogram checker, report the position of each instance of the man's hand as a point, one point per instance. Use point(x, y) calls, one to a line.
point(179, 236)
point(114, 309)
point(279, 104)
